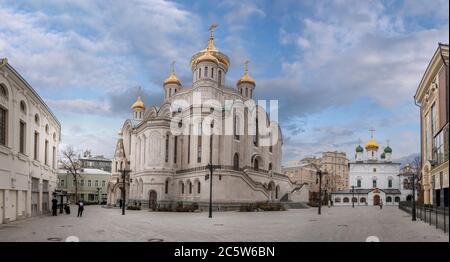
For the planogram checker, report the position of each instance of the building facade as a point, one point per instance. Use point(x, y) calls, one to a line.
point(432, 96)
point(336, 165)
point(92, 185)
point(95, 162)
point(29, 139)
point(169, 166)
point(302, 172)
point(373, 179)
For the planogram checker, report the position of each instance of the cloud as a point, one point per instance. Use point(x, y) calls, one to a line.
point(80, 106)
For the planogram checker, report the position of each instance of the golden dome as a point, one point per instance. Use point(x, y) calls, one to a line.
point(372, 145)
point(246, 78)
point(172, 79)
point(138, 104)
point(207, 57)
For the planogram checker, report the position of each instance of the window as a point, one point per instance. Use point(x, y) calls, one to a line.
point(277, 189)
point(62, 182)
point(199, 144)
point(116, 166)
point(167, 148)
point(256, 164)
point(255, 139)
point(433, 119)
point(362, 200)
point(374, 170)
point(354, 200)
point(166, 187)
point(46, 152)
point(346, 200)
point(103, 183)
point(374, 183)
point(220, 77)
point(175, 149)
point(46, 128)
point(96, 183)
point(236, 126)
point(236, 161)
point(206, 71)
point(199, 73)
point(212, 72)
point(246, 92)
point(189, 148)
point(36, 119)
point(358, 183)
point(89, 183)
point(3, 113)
point(54, 157)
point(36, 145)
point(3, 92)
point(390, 183)
point(198, 187)
point(337, 200)
point(82, 182)
point(23, 107)
point(182, 188)
point(440, 146)
point(22, 137)
point(270, 166)
point(388, 199)
point(73, 182)
point(190, 187)
point(397, 199)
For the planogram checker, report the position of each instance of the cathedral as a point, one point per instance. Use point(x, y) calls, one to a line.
point(374, 179)
point(164, 154)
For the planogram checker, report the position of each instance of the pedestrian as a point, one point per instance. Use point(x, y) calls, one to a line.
point(381, 204)
point(80, 208)
point(120, 203)
point(54, 206)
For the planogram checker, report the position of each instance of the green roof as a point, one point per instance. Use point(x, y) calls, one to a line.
point(388, 150)
point(359, 149)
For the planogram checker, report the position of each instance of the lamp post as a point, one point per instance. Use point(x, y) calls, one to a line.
point(211, 169)
point(319, 173)
point(124, 176)
point(353, 196)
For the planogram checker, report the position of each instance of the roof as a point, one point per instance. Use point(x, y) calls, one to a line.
point(87, 171)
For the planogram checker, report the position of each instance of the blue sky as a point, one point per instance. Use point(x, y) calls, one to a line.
point(337, 67)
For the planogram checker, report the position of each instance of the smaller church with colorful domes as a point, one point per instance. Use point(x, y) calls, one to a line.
point(374, 178)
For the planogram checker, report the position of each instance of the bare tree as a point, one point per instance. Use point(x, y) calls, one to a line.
point(416, 165)
point(72, 164)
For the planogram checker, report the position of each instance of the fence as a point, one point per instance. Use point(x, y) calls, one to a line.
point(436, 216)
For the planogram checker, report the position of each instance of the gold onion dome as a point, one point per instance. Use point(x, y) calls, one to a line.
point(246, 78)
point(211, 53)
point(138, 104)
point(207, 57)
point(372, 145)
point(172, 79)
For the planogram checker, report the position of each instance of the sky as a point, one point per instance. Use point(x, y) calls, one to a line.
point(337, 68)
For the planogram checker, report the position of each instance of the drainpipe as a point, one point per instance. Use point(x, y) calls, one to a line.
point(421, 142)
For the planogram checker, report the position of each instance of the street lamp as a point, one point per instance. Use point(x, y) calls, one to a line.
point(211, 169)
point(124, 176)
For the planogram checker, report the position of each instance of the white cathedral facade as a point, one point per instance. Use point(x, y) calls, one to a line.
point(168, 148)
point(373, 179)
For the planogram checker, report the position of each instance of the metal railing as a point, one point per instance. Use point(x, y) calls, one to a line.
point(436, 216)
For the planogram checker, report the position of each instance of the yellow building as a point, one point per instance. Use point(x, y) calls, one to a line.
point(432, 97)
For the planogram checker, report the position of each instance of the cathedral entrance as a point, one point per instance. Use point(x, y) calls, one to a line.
point(152, 200)
point(376, 200)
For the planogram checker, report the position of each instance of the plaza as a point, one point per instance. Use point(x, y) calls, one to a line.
point(336, 224)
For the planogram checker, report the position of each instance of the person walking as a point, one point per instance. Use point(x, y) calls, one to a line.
point(381, 204)
point(80, 208)
point(120, 203)
point(54, 206)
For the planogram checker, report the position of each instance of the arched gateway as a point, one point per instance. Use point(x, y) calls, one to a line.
point(152, 200)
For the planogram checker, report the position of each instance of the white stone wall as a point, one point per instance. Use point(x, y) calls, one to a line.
point(17, 169)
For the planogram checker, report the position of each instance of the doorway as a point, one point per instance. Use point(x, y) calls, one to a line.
point(376, 200)
point(152, 199)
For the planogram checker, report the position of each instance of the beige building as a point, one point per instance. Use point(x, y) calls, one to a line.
point(335, 163)
point(29, 139)
point(432, 97)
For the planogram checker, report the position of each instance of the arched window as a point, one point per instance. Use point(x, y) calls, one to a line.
point(389, 182)
point(206, 71)
point(167, 148)
point(236, 161)
point(199, 73)
point(3, 116)
point(121, 164)
point(270, 166)
point(198, 187)
point(199, 144)
point(3, 92)
point(397, 199)
point(362, 200)
point(277, 190)
point(182, 188)
point(358, 183)
point(346, 200)
point(190, 187)
point(46, 128)
point(166, 187)
point(175, 149)
point(256, 164)
point(354, 200)
point(116, 166)
point(23, 107)
point(388, 199)
point(212, 72)
point(255, 139)
point(36, 119)
point(337, 200)
point(220, 77)
point(374, 183)
point(246, 92)
point(236, 125)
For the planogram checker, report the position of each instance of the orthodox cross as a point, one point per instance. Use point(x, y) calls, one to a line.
point(246, 65)
point(173, 66)
point(371, 132)
point(211, 29)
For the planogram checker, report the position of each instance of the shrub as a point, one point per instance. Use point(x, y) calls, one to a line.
point(133, 208)
point(264, 206)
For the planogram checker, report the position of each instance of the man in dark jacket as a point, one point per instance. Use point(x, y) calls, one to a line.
point(54, 206)
point(80, 208)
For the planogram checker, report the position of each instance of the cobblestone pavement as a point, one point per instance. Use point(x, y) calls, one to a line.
point(335, 224)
